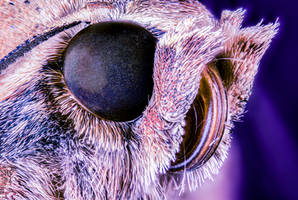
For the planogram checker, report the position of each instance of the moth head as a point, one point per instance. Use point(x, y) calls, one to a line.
point(155, 114)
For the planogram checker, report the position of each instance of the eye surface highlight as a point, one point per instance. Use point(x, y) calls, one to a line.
point(108, 67)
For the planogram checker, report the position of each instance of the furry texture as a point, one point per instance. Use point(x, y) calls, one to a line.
point(54, 148)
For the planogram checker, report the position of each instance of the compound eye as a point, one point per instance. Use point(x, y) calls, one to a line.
point(108, 67)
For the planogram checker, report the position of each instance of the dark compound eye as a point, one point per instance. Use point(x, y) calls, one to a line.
point(109, 67)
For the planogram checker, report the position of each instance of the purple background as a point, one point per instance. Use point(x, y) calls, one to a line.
point(263, 161)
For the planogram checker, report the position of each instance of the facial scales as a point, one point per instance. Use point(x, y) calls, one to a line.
point(127, 99)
